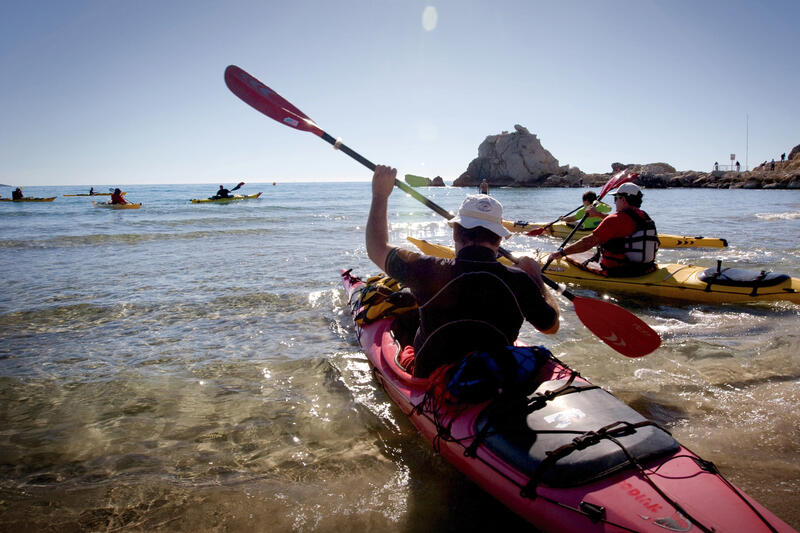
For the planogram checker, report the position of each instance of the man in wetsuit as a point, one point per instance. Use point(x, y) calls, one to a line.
point(627, 240)
point(222, 193)
point(467, 303)
point(16, 194)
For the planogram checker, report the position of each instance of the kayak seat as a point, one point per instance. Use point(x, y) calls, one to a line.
point(524, 437)
point(740, 277)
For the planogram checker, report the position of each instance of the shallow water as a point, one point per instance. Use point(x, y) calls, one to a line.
point(188, 367)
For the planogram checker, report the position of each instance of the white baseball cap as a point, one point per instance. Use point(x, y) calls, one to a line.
point(628, 189)
point(481, 210)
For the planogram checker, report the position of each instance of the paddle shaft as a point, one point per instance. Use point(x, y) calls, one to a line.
point(539, 231)
point(338, 145)
point(617, 327)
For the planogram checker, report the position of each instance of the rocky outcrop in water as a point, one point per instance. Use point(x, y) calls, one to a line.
point(516, 159)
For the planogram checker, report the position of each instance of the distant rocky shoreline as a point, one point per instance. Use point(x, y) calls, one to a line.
point(517, 159)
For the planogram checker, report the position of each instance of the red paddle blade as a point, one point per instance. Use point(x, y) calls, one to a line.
point(617, 327)
point(535, 232)
point(265, 100)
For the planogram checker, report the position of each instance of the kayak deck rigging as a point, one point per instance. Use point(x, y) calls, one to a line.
point(559, 451)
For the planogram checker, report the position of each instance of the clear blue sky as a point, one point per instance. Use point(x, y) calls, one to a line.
point(126, 92)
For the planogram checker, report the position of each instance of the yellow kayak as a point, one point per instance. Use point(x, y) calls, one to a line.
point(117, 206)
point(28, 199)
point(95, 194)
point(670, 281)
point(561, 230)
point(233, 198)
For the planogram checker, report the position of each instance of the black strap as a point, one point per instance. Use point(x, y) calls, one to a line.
point(581, 442)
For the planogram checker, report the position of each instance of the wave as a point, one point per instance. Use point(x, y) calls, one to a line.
point(70, 241)
point(792, 215)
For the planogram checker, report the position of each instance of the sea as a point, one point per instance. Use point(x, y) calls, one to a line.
point(193, 367)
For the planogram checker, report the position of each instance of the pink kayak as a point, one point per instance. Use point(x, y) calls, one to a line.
point(565, 455)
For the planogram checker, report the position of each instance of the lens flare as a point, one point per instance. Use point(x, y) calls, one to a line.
point(429, 18)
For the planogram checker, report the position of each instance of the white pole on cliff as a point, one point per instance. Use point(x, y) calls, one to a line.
point(747, 144)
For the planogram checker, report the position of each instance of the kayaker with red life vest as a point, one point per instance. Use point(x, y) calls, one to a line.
point(116, 197)
point(627, 240)
point(469, 303)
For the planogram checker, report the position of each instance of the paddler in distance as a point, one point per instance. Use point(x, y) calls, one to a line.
point(222, 193)
point(627, 240)
point(117, 198)
point(16, 194)
point(596, 212)
point(472, 302)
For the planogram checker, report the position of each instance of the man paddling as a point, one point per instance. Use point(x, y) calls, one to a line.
point(467, 303)
point(222, 193)
point(627, 240)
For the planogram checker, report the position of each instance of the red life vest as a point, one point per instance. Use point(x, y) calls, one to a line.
point(634, 253)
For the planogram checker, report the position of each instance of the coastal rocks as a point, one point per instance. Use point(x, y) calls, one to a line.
point(795, 151)
point(660, 175)
point(437, 182)
point(517, 159)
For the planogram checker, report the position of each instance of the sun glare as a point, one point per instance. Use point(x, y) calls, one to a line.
point(429, 18)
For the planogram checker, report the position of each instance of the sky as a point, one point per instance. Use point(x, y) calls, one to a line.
point(132, 92)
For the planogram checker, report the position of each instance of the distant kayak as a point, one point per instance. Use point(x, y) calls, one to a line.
point(117, 206)
point(417, 181)
point(95, 194)
point(669, 281)
point(233, 198)
point(28, 199)
point(561, 230)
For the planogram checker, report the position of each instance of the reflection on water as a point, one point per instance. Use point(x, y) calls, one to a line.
point(192, 368)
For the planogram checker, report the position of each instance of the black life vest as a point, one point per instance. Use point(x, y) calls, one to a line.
point(474, 311)
point(635, 253)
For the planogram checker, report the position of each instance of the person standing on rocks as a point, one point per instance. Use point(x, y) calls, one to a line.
point(738, 166)
point(783, 157)
point(772, 165)
point(716, 166)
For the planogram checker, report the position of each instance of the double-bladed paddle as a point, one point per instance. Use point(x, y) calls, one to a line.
point(612, 183)
point(237, 187)
point(617, 327)
point(617, 180)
